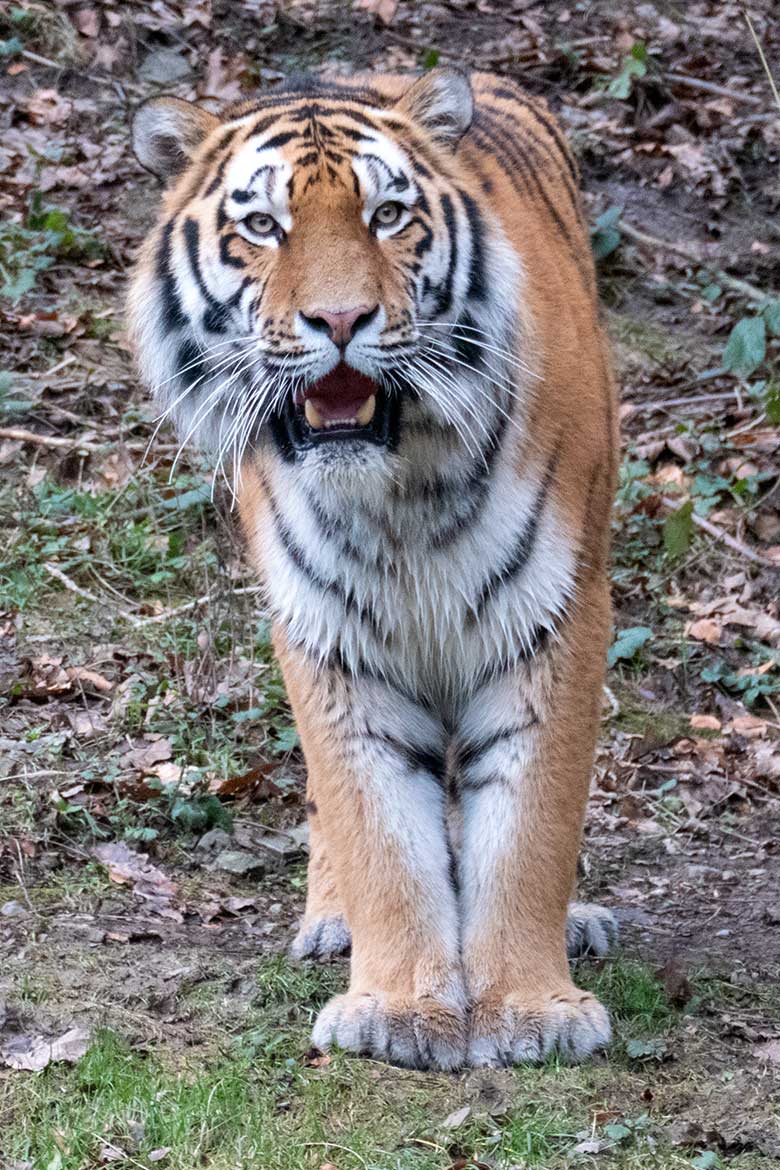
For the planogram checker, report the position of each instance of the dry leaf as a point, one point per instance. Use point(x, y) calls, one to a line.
point(126, 867)
point(704, 630)
point(87, 21)
point(48, 108)
point(705, 723)
point(770, 1052)
point(148, 753)
point(748, 725)
point(384, 9)
point(33, 1053)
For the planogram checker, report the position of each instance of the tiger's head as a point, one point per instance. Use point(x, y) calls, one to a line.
point(323, 277)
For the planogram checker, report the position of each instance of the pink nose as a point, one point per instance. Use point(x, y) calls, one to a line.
point(341, 325)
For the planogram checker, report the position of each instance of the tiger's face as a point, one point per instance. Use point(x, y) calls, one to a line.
point(318, 274)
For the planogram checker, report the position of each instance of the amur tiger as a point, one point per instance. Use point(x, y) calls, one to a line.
point(374, 300)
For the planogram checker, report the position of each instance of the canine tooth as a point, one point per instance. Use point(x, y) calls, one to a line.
point(366, 412)
point(313, 416)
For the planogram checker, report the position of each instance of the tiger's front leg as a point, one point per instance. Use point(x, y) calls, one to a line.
point(377, 762)
point(525, 753)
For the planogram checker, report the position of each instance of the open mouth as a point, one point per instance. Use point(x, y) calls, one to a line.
point(345, 405)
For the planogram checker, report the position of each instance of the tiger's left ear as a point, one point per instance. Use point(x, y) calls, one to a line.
point(442, 102)
point(166, 133)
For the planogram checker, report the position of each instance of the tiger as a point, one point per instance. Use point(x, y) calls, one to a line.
point(373, 301)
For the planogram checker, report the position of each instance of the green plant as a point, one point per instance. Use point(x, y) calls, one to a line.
point(29, 248)
point(750, 685)
point(628, 644)
point(745, 349)
point(605, 235)
point(633, 67)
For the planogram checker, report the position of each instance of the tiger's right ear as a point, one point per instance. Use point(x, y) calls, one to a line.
point(166, 133)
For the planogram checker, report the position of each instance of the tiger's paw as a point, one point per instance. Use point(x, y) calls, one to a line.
point(590, 930)
point(322, 938)
point(422, 1032)
point(519, 1029)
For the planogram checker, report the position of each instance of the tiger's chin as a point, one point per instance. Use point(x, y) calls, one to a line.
point(340, 413)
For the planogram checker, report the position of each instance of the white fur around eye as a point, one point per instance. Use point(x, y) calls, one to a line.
point(269, 241)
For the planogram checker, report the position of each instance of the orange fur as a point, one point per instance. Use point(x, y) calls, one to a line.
point(505, 991)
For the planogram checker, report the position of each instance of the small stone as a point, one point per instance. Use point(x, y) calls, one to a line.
point(164, 66)
point(12, 909)
point(239, 861)
point(213, 840)
point(772, 914)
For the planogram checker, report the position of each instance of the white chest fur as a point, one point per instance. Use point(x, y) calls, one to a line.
point(395, 585)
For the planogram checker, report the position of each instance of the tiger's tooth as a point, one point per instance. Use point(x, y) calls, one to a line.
point(313, 416)
point(366, 412)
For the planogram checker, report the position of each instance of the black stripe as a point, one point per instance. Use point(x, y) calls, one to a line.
point(544, 119)
point(361, 670)
point(476, 487)
point(192, 242)
point(420, 759)
point(224, 142)
point(304, 566)
point(280, 139)
point(467, 785)
point(468, 753)
point(477, 290)
point(224, 251)
point(260, 127)
point(513, 156)
point(444, 292)
point(189, 362)
point(537, 642)
point(523, 546)
point(173, 316)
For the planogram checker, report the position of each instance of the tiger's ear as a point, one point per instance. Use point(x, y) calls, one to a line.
point(166, 133)
point(442, 102)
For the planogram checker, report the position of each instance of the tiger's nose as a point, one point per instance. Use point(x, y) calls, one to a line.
point(341, 325)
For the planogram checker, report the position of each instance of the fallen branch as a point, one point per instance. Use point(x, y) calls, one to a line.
point(174, 612)
point(711, 87)
point(70, 584)
point(66, 443)
point(751, 291)
point(762, 55)
point(725, 537)
point(155, 619)
point(24, 436)
point(693, 400)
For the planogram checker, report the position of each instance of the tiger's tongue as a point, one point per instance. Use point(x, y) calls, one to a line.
point(340, 395)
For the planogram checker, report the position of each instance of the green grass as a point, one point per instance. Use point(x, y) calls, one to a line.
point(252, 1098)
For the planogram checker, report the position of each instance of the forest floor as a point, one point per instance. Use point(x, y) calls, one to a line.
point(152, 863)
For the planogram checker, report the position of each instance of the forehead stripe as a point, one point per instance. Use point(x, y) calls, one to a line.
point(279, 140)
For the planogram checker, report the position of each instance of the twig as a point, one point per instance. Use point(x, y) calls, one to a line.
point(762, 55)
point(70, 584)
point(65, 443)
point(667, 403)
point(718, 534)
point(156, 618)
point(24, 436)
point(186, 606)
point(47, 61)
point(711, 87)
point(751, 291)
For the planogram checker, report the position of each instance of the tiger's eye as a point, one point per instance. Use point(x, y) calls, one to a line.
point(388, 214)
point(260, 224)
